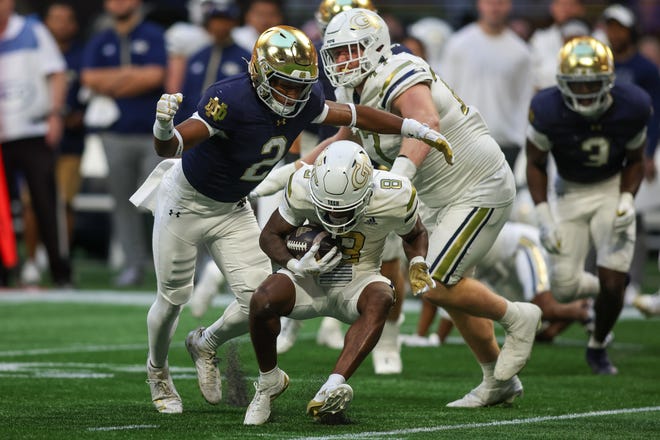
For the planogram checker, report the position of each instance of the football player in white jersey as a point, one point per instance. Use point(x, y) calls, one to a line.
point(470, 200)
point(243, 126)
point(360, 207)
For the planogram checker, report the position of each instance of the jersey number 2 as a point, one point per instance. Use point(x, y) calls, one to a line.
point(259, 171)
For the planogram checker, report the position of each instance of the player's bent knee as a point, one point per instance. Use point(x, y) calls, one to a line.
point(178, 295)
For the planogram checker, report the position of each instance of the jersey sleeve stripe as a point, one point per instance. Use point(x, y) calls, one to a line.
point(390, 77)
point(289, 186)
point(455, 249)
point(394, 86)
point(413, 196)
point(411, 214)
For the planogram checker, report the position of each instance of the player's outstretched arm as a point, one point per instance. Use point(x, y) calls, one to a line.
point(379, 121)
point(170, 141)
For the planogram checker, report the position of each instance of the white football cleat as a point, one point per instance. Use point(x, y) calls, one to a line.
point(336, 400)
point(518, 342)
point(386, 355)
point(258, 411)
point(163, 394)
point(416, 340)
point(288, 334)
point(649, 305)
point(206, 364)
point(387, 361)
point(330, 334)
point(490, 394)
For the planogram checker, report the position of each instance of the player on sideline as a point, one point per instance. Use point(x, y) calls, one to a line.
point(596, 132)
point(242, 127)
point(343, 193)
point(469, 201)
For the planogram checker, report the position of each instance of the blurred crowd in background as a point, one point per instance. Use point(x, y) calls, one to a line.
point(110, 104)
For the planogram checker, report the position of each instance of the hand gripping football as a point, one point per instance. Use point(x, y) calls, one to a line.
point(304, 237)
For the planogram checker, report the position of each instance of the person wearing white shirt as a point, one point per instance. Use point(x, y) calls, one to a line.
point(545, 43)
point(490, 67)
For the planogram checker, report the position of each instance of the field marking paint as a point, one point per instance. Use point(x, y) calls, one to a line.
point(123, 428)
point(74, 349)
point(497, 423)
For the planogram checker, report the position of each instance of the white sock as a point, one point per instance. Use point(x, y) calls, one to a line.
point(162, 320)
point(333, 381)
point(593, 343)
point(269, 377)
point(510, 316)
point(488, 369)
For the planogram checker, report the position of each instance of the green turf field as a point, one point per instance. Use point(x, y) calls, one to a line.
point(72, 366)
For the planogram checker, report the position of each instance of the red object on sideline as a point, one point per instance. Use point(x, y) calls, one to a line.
point(8, 253)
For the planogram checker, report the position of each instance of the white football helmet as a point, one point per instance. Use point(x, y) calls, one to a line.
point(585, 75)
point(355, 42)
point(286, 54)
point(341, 184)
point(329, 8)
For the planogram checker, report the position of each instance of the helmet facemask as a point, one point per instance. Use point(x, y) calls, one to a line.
point(283, 57)
point(341, 186)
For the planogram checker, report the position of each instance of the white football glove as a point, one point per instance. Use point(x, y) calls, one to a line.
point(309, 265)
point(420, 279)
point(549, 233)
point(166, 108)
point(415, 129)
point(625, 212)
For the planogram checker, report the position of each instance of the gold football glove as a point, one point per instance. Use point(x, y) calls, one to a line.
point(420, 279)
point(415, 129)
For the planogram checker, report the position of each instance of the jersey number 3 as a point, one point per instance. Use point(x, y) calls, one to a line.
point(598, 151)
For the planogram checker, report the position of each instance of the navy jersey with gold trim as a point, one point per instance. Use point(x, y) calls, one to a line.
point(590, 150)
point(252, 138)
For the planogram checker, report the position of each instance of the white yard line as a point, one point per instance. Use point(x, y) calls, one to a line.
point(497, 423)
point(123, 428)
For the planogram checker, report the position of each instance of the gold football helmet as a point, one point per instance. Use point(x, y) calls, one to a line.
point(329, 8)
point(585, 75)
point(284, 56)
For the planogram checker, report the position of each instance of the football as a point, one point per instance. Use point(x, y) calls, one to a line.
point(303, 238)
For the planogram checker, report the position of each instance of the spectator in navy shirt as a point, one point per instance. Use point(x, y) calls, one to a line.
point(215, 61)
point(126, 64)
point(630, 66)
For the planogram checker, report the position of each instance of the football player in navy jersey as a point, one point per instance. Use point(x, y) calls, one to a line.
point(596, 132)
point(242, 127)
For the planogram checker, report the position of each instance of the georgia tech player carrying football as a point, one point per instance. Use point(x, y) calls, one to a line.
point(471, 199)
point(361, 207)
point(242, 127)
point(596, 132)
